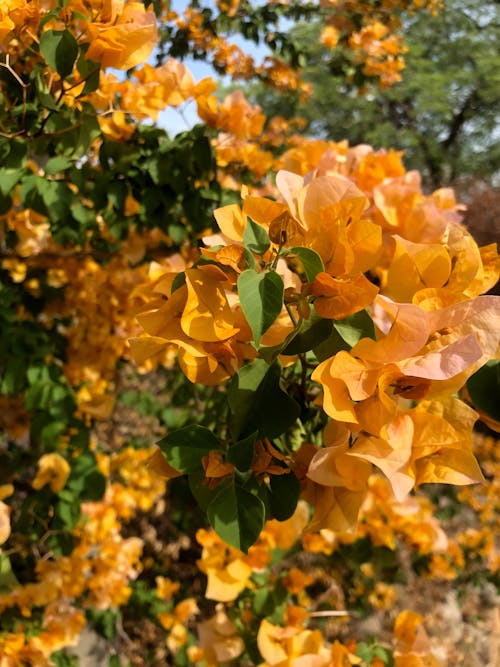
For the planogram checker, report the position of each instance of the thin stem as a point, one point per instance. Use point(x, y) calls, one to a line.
point(296, 323)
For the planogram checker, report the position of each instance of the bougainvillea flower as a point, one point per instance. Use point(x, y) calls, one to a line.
point(6, 24)
point(193, 311)
point(323, 214)
point(218, 637)
point(215, 468)
point(342, 656)
point(171, 84)
point(413, 647)
point(264, 461)
point(227, 571)
point(165, 588)
point(404, 210)
point(207, 316)
point(423, 446)
point(125, 42)
point(415, 266)
point(284, 534)
point(282, 647)
point(161, 467)
point(442, 347)
point(337, 298)
point(329, 210)
point(54, 470)
point(19, 14)
point(338, 489)
point(474, 270)
point(233, 219)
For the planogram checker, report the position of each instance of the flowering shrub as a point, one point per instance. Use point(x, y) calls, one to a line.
point(319, 322)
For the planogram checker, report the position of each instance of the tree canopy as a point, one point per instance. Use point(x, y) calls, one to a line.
point(443, 114)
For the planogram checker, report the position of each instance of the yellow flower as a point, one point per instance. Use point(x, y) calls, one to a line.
point(125, 42)
point(52, 470)
point(219, 639)
point(330, 37)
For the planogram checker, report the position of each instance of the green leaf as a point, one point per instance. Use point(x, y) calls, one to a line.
point(51, 432)
point(255, 238)
point(178, 281)
point(260, 489)
point(185, 447)
point(5, 204)
point(263, 602)
point(86, 481)
point(261, 298)
point(57, 164)
point(310, 334)
point(250, 259)
point(104, 621)
point(484, 389)
point(9, 178)
point(355, 327)
point(85, 216)
point(257, 402)
point(311, 262)
point(89, 70)
point(237, 516)
point(68, 513)
point(95, 486)
point(242, 452)
point(285, 492)
point(202, 152)
point(202, 493)
point(7, 576)
point(17, 151)
point(60, 50)
point(330, 346)
point(44, 94)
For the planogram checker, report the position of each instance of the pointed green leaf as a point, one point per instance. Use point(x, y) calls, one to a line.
point(330, 346)
point(7, 577)
point(202, 493)
point(484, 389)
point(60, 50)
point(178, 281)
point(257, 402)
point(355, 327)
point(57, 164)
point(44, 94)
point(310, 260)
point(311, 333)
point(237, 516)
point(256, 238)
point(89, 70)
point(261, 298)
point(242, 452)
point(9, 178)
point(185, 447)
point(285, 492)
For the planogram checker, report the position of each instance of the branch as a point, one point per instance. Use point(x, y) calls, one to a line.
point(459, 119)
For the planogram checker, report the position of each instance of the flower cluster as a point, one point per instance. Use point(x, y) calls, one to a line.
point(96, 574)
point(380, 244)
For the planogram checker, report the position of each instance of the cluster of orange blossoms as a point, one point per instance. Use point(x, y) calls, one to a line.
point(119, 34)
point(97, 573)
point(376, 46)
point(391, 400)
point(229, 574)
